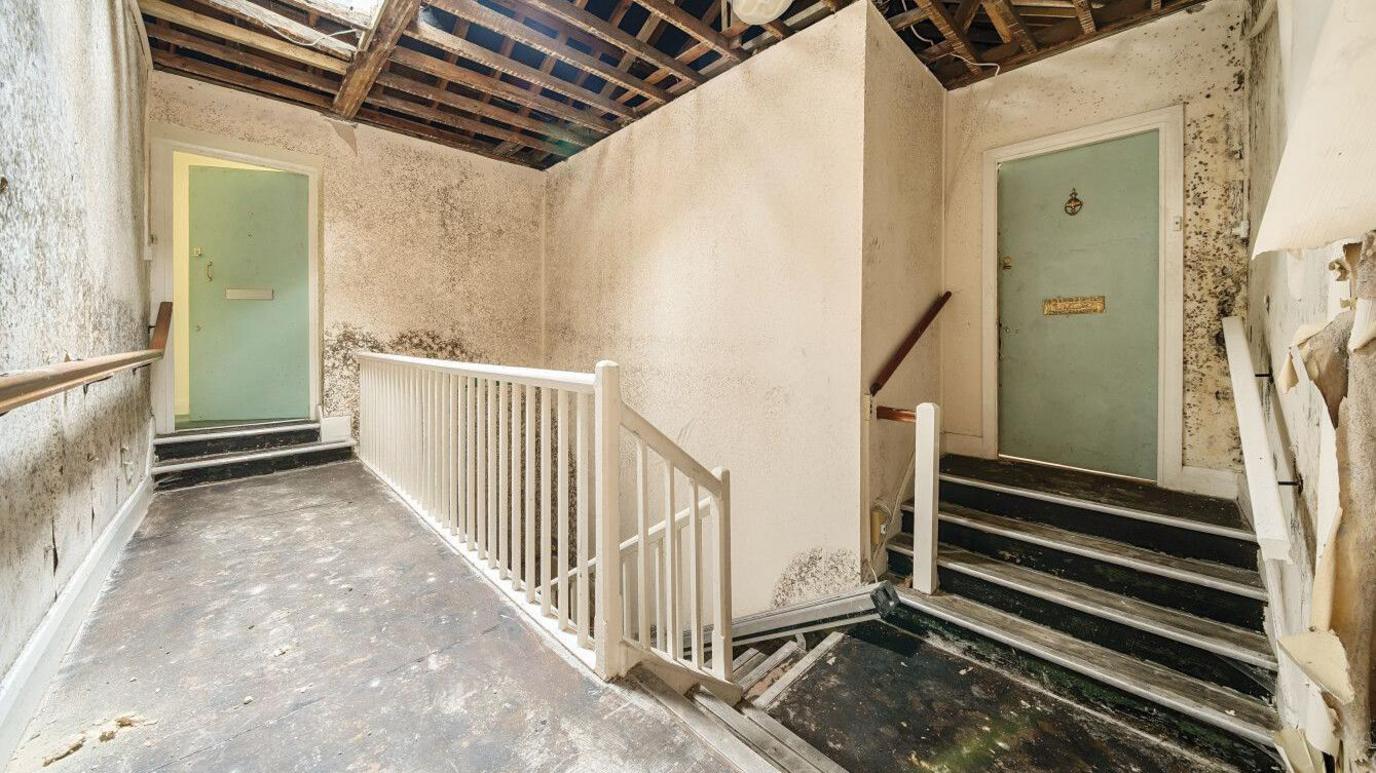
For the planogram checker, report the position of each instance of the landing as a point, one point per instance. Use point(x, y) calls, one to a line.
point(307, 621)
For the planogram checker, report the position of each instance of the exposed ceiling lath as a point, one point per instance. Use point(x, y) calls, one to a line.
point(535, 81)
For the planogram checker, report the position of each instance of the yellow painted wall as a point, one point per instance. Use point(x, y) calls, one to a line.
point(181, 253)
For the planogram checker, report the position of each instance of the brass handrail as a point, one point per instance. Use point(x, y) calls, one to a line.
point(908, 343)
point(27, 386)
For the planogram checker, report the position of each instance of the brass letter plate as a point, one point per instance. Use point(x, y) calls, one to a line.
point(240, 294)
point(1084, 304)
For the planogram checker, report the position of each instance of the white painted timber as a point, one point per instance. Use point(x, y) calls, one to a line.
point(568, 381)
point(1263, 491)
point(23, 688)
point(927, 462)
point(792, 675)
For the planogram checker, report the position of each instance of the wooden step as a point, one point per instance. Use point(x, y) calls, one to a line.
point(1226, 640)
point(1222, 577)
point(1200, 700)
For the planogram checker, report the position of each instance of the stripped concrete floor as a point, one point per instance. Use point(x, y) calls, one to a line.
point(306, 621)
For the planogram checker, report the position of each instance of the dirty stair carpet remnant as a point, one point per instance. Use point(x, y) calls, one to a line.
point(308, 621)
point(886, 699)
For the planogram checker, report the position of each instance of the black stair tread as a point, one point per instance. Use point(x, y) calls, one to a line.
point(1233, 579)
point(233, 457)
point(1204, 701)
point(1230, 641)
point(1101, 489)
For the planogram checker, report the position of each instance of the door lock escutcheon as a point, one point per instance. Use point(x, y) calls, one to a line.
point(1006, 262)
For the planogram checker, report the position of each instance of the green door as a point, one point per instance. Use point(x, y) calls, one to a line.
point(249, 295)
point(1077, 307)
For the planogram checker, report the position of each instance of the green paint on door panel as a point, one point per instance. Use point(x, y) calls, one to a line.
point(1080, 389)
point(248, 232)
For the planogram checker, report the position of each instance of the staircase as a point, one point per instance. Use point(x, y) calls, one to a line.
point(1152, 593)
point(193, 457)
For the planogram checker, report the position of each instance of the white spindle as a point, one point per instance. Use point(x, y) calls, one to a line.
point(546, 504)
point(694, 578)
point(721, 625)
point(671, 567)
point(503, 480)
point(562, 551)
point(480, 454)
point(642, 531)
point(517, 516)
point(610, 625)
point(530, 477)
point(490, 427)
point(584, 515)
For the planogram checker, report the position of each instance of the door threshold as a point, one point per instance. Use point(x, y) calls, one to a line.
point(234, 424)
point(1059, 466)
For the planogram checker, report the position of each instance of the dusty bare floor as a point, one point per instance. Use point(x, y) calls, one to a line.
point(306, 621)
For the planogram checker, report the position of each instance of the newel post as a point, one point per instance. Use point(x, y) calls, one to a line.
point(925, 482)
point(608, 624)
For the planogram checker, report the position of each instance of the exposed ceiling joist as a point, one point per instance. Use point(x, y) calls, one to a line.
point(1009, 24)
point(476, 13)
point(484, 109)
point(229, 55)
point(1085, 15)
point(430, 34)
point(276, 23)
point(243, 80)
point(500, 88)
point(160, 9)
point(424, 111)
point(694, 26)
point(375, 51)
point(939, 16)
point(613, 34)
point(340, 14)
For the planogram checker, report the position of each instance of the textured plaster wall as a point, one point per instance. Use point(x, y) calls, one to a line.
point(72, 284)
point(902, 237)
point(1193, 58)
point(425, 250)
point(712, 250)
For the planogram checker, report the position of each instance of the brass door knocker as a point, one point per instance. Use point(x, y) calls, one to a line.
point(1073, 204)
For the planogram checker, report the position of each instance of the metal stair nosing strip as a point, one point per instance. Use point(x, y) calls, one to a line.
point(1218, 638)
point(1203, 573)
point(1228, 710)
point(228, 459)
point(1103, 507)
point(272, 429)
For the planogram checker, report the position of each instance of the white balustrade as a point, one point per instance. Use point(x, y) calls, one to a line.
point(520, 470)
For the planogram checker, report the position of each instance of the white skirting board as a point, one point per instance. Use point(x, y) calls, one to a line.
point(22, 689)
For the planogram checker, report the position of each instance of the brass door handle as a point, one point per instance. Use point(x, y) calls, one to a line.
point(209, 271)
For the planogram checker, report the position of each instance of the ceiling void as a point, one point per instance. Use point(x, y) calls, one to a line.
point(535, 81)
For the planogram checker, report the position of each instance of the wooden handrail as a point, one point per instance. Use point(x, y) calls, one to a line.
point(895, 414)
point(908, 343)
point(27, 386)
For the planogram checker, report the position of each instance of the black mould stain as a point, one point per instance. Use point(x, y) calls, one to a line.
point(342, 340)
point(815, 573)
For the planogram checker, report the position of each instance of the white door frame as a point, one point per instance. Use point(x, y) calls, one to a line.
point(167, 139)
point(1169, 123)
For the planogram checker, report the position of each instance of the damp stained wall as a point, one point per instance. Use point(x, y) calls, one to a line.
point(712, 249)
point(72, 284)
point(901, 269)
point(1195, 58)
point(426, 250)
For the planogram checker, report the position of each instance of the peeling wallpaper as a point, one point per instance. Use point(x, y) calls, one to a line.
point(72, 284)
point(425, 250)
point(1195, 58)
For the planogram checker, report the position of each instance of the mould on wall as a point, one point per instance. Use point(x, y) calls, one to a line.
point(342, 340)
point(72, 285)
point(816, 573)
